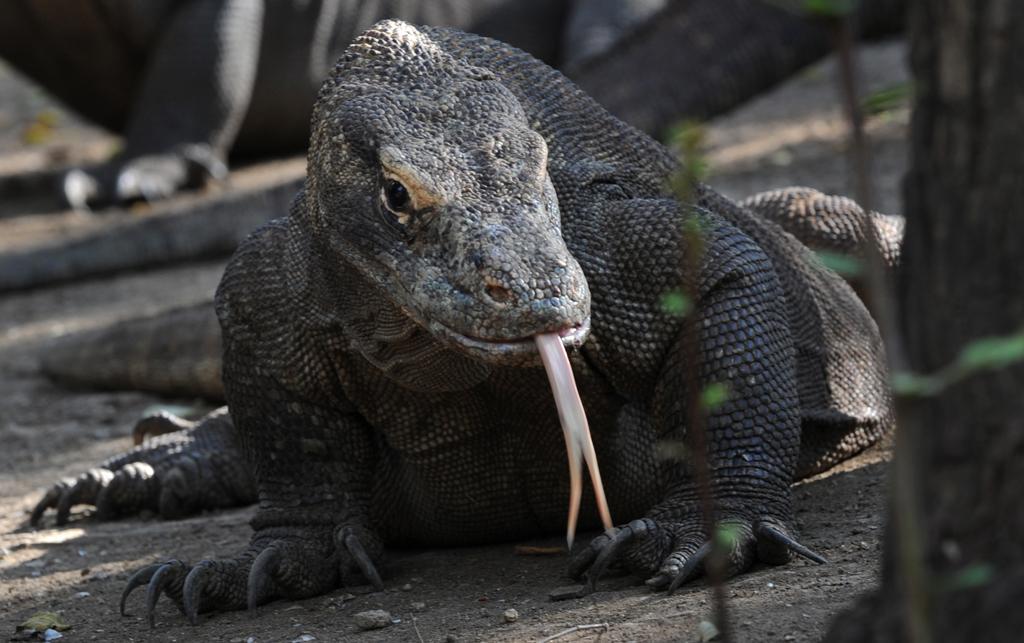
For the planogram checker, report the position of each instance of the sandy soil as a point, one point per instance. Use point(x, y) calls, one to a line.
point(792, 136)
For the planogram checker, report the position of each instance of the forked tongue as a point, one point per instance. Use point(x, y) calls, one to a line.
point(574, 425)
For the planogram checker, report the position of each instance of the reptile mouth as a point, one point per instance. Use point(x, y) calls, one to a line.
point(519, 350)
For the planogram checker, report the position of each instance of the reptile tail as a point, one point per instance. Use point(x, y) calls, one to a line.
point(176, 353)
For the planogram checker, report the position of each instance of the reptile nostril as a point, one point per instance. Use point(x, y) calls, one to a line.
point(498, 293)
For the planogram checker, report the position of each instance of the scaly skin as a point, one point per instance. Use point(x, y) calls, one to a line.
point(832, 223)
point(177, 353)
point(378, 355)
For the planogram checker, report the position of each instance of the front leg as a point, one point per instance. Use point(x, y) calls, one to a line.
point(313, 460)
point(740, 338)
point(188, 108)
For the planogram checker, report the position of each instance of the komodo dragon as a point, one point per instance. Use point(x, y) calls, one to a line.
point(188, 80)
point(379, 366)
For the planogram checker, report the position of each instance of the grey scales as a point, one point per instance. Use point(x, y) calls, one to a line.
point(378, 357)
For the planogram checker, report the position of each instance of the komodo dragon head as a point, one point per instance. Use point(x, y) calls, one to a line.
point(426, 176)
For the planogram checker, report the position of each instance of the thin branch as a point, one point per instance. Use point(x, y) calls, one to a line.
point(906, 497)
point(418, 635)
point(575, 628)
point(696, 422)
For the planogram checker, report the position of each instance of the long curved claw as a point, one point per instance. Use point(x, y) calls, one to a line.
point(195, 583)
point(585, 559)
point(698, 558)
point(264, 567)
point(658, 581)
point(772, 534)
point(141, 577)
point(68, 499)
point(157, 584)
point(609, 553)
point(65, 494)
point(160, 424)
point(355, 548)
point(51, 499)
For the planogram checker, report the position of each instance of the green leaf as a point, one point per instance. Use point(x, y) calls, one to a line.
point(686, 135)
point(714, 395)
point(816, 8)
point(844, 265)
point(42, 621)
point(686, 140)
point(829, 8)
point(968, 577)
point(913, 385)
point(695, 225)
point(888, 98)
point(727, 535)
point(987, 353)
point(992, 352)
point(676, 303)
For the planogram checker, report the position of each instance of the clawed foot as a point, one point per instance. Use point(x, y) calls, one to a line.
point(131, 488)
point(669, 555)
point(279, 563)
point(184, 467)
point(151, 178)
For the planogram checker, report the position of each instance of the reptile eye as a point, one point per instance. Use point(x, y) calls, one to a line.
point(396, 195)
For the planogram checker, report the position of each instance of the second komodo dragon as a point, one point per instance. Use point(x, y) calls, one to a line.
point(379, 362)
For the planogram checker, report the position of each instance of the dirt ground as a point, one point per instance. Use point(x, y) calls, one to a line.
point(795, 135)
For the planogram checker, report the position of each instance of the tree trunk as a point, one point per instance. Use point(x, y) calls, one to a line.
point(963, 279)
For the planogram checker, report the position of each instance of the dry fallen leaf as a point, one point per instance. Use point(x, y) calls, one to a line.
point(525, 550)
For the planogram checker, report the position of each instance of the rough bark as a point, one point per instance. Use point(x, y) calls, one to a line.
point(963, 280)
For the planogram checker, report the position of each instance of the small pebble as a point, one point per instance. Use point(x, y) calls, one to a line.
point(419, 607)
point(708, 632)
point(511, 616)
point(407, 587)
point(373, 619)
